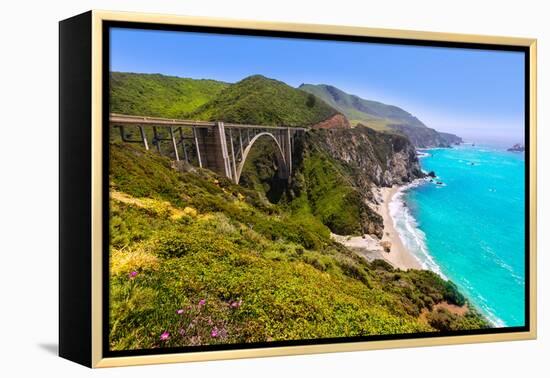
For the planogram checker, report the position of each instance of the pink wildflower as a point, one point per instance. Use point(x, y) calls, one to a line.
point(223, 332)
point(180, 311)
point(165, 336)
point(133, 274)
point(214, 332)
point(237, 304)
point(202, 302)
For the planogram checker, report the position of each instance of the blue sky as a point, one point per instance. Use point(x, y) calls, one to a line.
point(477, 94)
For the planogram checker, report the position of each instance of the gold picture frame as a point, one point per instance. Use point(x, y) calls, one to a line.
point(88, 32)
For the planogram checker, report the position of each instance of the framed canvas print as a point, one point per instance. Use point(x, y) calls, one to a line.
point(236, 189)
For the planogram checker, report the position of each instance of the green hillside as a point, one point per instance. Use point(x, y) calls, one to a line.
point(359, 109)
point(158, 95)
point(200, 260)
point(324, 187)
point(260, 100)
point(381, 116)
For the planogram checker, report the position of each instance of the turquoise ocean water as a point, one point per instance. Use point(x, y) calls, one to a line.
point(471, 228)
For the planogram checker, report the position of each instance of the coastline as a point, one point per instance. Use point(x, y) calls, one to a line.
point(372, 248)
point(387, 201)
point(399, 256)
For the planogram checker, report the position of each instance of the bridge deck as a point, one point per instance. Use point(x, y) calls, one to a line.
point(121, 119)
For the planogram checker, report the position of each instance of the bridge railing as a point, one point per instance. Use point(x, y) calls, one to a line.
point(219, 146)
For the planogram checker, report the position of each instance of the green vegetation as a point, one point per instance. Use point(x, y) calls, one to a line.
point(444, 320)
point(373, 123)
point(324, 191)
point(322, 186)
point(359, 109)
point(381, 117)
point(253, 100)
point(262, 101)
point(336, 170)
point(197, 260)
point(157, 95)
point(260, 171)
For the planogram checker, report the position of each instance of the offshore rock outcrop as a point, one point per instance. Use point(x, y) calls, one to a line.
point(518, 147)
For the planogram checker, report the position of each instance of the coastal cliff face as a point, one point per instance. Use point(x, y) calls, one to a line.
point(337, 121)
point(337, 170)
point(373, 158)
point(451, 138)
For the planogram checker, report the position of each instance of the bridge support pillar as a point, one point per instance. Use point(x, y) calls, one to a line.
point(286, 146)
point(214, 151)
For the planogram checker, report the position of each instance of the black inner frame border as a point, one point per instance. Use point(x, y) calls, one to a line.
point(108, 25)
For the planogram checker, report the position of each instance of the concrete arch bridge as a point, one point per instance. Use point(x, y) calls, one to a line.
point(218, 146)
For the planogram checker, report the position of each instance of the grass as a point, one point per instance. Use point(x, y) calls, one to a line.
point(371, 113)
point(263, 101)
point(197, 260)
point(375, 124)
point(331, 199)
point(160, 95)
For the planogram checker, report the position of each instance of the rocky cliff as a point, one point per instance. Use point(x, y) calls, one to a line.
point(337, 121)
point(337, 170)
point(451, 138)
point(375, 158)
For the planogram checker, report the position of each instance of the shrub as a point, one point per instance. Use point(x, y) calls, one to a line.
point(381, 265)
point(441, 319)
point(125, 262)
point(352, 270)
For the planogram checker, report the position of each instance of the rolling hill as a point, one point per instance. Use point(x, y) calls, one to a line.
point(263, 101)
point(381, 116)
point(159, 95)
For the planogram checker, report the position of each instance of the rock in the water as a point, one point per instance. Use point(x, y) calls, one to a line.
point(518, 147)
point(431, 174)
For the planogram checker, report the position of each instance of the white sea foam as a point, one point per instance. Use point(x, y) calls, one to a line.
point(414, 240)
point(412, 237)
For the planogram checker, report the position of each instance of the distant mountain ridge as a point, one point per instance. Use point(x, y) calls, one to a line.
point(260, 100)
point(381, 116)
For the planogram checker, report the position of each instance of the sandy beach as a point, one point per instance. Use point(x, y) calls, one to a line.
point(372, 248)
point(399, 256)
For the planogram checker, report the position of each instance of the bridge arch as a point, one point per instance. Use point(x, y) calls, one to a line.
point(283, 164)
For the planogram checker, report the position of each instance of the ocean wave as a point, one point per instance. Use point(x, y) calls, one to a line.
point(489, 314)
point(502, 264)
point(412, 237)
